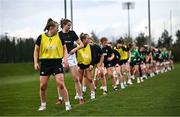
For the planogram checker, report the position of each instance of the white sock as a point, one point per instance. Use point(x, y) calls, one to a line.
point(117, 81)
point(92, 92)
point(60, 98)
point(132, 77)
point(67, 103)
point(122, 83)
point(115, 86)
point(129, 81)
point(43, 103)
point(84, 88)
point(80, 97)
point(104, 88)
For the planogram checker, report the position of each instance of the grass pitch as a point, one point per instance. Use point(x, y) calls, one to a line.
point(19, 95)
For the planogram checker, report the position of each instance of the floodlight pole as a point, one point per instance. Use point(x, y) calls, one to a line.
point(149, 21)
point(65, 9)
point(72, 13)
point(171, 22)
point(129, 27)
point(128, 6)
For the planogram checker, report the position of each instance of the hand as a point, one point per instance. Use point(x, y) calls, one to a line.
point(109, 59)
point(90, 67)
point(65, 64)
point(99, 65)
point(36, 66)
point(72, 51)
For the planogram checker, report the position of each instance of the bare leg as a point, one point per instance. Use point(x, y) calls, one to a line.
point(43, 87)
point(89, 77)
point(63, 90)
point(110, 73)
point(75, 74)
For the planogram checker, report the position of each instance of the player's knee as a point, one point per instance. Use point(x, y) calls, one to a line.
point(43, 87)
point(61, 86)
point(76, 80)
point(91, 81)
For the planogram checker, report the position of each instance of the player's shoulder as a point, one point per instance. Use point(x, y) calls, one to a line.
point(72, 32)
point(39, 37)
point(60, 32)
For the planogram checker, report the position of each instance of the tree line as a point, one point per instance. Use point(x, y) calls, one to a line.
point(16, 49)
point(21, 49)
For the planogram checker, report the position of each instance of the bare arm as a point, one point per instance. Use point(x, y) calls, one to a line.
point(80, 45)
point(65, 56)
point(36, 55)
point(101, 61)
point(129, 60)
point(111, 58)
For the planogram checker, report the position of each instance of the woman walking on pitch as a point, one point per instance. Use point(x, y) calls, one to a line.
point(50, 50)
point(70, 38)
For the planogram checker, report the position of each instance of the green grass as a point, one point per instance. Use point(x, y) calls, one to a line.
point(19, 95)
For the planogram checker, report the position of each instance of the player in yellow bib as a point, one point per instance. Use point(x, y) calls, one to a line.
point(85, 63)
point(49, 50)
point(123, 68)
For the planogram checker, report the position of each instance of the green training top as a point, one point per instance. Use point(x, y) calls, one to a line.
point(135, 56)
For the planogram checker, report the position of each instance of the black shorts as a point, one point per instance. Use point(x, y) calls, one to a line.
point(115, 62)
point(121, 62)
point(108, 64)
point(47, 69)
point(132, 64)
point(82, 66)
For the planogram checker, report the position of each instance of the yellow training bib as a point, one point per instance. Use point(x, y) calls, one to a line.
point(51, 47)
point(124, 54)
point(84, 55)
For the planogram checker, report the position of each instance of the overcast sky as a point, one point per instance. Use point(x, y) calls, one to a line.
point(27, 18)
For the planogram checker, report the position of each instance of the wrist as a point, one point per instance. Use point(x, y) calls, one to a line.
point(35, 62)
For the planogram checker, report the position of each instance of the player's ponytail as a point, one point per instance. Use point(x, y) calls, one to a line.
point(83, 36)
point(50, 23)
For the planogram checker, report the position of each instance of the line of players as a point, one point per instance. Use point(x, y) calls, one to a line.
point(122, 62)
point(89, 62)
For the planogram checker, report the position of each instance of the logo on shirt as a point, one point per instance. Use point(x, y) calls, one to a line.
point(60, 69)
point(85, 56)
point(67, 41)
point(53, 47)
point(105, 54)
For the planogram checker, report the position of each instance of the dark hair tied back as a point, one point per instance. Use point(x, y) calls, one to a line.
point(64, 22)
point(50, 23)
point(83, 35)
